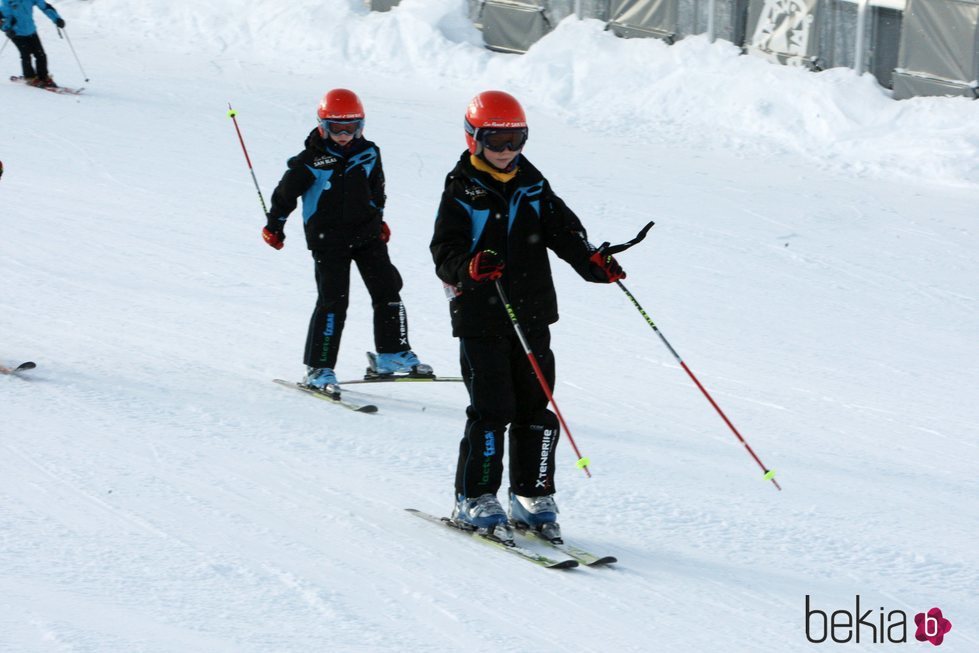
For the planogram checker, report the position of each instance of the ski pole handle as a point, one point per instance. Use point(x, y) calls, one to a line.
point(607, 249)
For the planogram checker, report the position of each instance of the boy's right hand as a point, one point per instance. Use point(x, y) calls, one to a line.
point(485, 266)
point(605, 269)
point(275, 239)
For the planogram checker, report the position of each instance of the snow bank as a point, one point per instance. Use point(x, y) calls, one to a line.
point(693, 94)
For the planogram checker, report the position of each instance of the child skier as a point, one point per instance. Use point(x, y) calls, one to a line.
point(497, 219)
point(17, 22)
point(341, 182)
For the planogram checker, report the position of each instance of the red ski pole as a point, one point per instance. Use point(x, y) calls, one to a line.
point(582, 461)
point(231, 114)
point(769, 473)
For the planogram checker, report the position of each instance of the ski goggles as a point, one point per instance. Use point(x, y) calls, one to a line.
point(499, 140)
point(339, 127)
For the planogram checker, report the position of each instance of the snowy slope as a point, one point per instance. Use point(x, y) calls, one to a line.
point(813, 262)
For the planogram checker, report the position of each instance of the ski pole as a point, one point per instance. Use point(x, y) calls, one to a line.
point(769, 474)
point(582, 461)
point(231, 114)
point(4, 46)
point(77, 60)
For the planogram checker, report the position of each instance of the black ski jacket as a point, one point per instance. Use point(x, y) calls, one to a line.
point(342, 191)
point(519, 220)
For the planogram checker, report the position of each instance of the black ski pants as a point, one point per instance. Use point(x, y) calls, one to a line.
point(503, 390)
point(333, 293)
point(30, 46)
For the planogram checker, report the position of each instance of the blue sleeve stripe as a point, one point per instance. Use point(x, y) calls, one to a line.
point(479, 219)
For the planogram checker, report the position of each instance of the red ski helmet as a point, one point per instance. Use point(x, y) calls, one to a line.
point(340, 105)
point(492, 110)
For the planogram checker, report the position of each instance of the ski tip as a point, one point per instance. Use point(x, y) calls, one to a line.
point(29, 365)
point(601, 562)
point(334, 399)
point(564, 564)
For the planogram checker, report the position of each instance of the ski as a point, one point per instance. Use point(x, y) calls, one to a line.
point(61, 90)
point(370, 377)
point(350, 405)
point(526, 554)
point(29, 365)
point(584, 557)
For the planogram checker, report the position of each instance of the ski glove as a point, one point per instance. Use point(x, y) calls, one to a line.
point(273, 234)
point(385, 232)
point(485, 266)
point(275, 239)
point(60, 23)
point(605, 269)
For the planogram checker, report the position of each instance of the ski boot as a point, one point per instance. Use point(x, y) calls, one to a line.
point(403, 363)
point(322, 379)
point(538, 514)
point(485, 515)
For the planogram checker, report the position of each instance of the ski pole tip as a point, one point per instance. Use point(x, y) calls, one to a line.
point(583, 463)
point(769, 474)
point(232, 113)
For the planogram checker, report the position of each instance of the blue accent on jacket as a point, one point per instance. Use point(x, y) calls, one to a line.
point(532, 193)
point(18, 15)
point(311, 198)
point(367, 159)
point(479, 218)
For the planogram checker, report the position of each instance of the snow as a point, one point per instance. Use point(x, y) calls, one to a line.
point(813, 262)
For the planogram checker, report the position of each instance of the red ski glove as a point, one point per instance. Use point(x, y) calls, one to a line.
point(605, 268)
point(485, 266)
point(275, 239)
point(385, 232)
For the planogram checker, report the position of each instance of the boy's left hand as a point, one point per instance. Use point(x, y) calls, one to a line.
point(606, 269)
point(385, 232)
